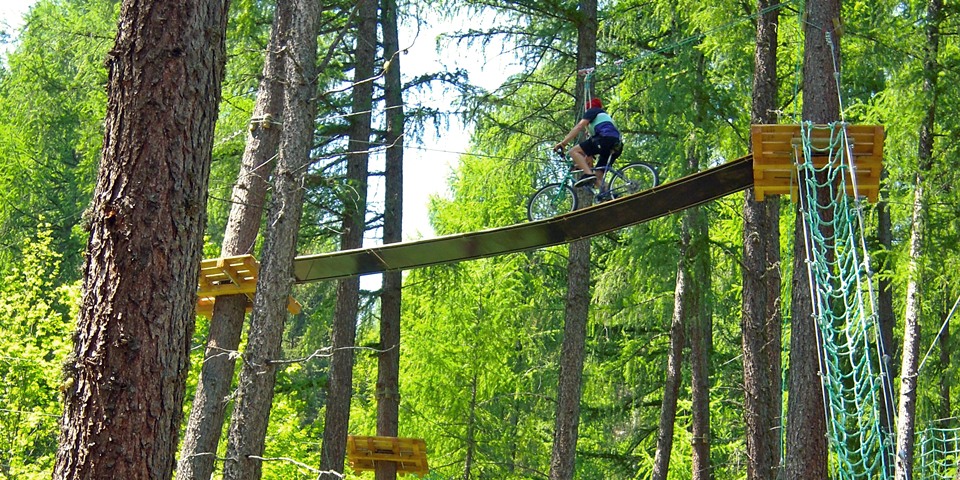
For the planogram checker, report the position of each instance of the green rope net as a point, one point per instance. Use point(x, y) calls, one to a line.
point(842, 298)
point(939, 450)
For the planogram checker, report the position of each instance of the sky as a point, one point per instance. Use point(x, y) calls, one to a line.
point(426, 167)
point(11, 11)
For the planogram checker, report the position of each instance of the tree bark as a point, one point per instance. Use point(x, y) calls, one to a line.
point(340, 385)
point(251, 412)
point(761, 321)
point(906, 422)
point(695, 255)
point(697, 252)
point(563, 458)
point(671, 384)
point(126, 379)
point(886, 317)
point(906, 416)
point(202, 435)
point(806, 455)
point(388, 366)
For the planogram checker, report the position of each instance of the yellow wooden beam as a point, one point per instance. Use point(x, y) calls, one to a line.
point(231, 276)
point(409, 454)
point(778, 148)
point(205, 306)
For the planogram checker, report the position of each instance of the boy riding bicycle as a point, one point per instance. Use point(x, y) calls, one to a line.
point(604, 140)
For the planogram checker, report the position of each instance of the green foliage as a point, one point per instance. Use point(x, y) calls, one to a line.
point(247, 33)
point(35, 318)
point(52, 104)
point(481, 339)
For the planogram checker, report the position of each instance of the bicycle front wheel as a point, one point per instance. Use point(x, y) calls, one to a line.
point(551, 200)
point(633, 178)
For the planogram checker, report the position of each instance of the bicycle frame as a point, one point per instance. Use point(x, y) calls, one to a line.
point(570, 177)
point(559, 197)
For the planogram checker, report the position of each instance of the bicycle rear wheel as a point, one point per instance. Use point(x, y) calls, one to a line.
point(633, 178)
point(551, 200)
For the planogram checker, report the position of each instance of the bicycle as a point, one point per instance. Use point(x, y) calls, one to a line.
point(561, 197)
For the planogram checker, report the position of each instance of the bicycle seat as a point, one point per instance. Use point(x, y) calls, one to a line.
point(615, 153)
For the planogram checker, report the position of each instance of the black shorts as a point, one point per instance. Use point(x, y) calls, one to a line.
point(603, 149)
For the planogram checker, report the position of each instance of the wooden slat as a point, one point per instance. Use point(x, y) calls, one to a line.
point(205, 306)
point(240, 271)
point(217, 289)
point(409, 454)
point(867, 186)
point(777, 148)
point(231, 276)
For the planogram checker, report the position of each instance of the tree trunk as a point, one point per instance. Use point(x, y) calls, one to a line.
point(251, 413)
point(906, 422)
point(695, 255)
point(563, 459)
point(806, 422)
point(906, 416)
point(340, 385)
point(885, 316)
point(945, 372)
point(202, 435)
point(123, 397)
point(806, 452)
point(698, 260)
point(388, 366)
point(471, 439)
point(760, 325)
point(671, 384)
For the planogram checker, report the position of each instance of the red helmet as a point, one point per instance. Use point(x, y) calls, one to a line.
point(594, 103)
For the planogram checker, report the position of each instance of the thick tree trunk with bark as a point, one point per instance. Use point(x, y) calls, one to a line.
point(340, 385)
point(761, 322)
point(126, 378)
point(806, 422)
point(806, 455)
point(202, 435)
point(906, 416)
point(563, 459)
point(388, 365)
point(251, 413)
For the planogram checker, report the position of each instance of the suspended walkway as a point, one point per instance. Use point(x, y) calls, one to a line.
point(659, 201)
point(771, 169)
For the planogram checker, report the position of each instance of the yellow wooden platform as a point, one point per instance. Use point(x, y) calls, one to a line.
point(230, 276)
point(776, 148)
point(410, 454)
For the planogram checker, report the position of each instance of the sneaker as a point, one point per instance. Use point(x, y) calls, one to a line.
point(585, 179)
